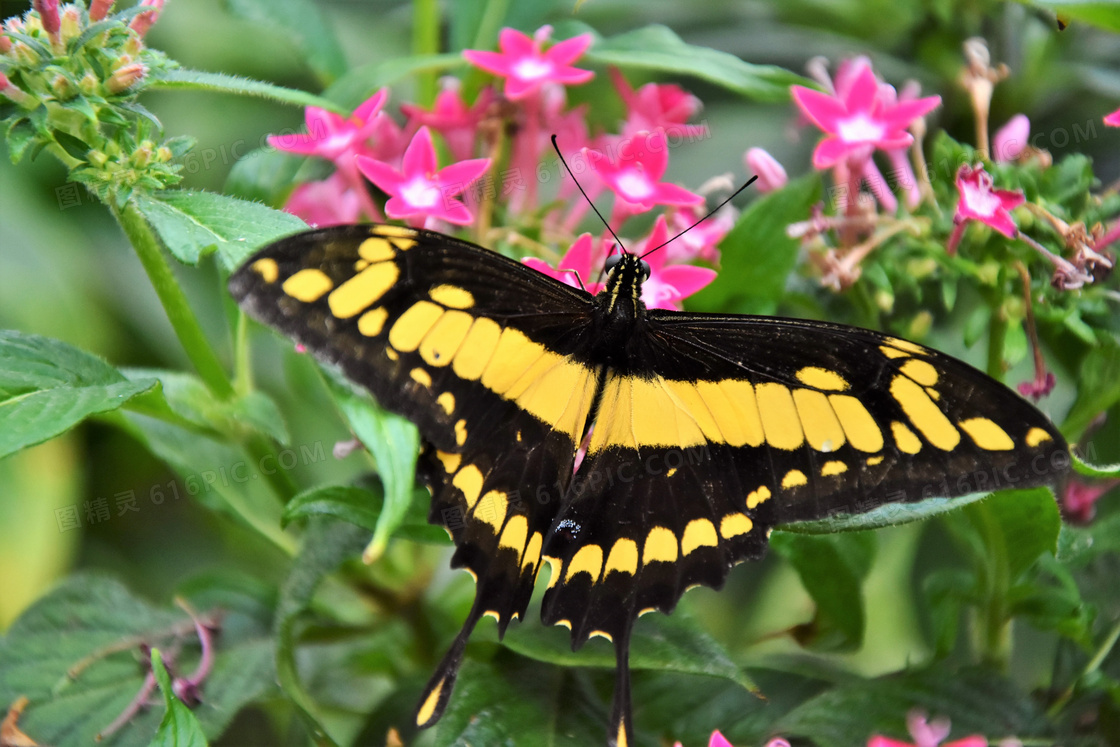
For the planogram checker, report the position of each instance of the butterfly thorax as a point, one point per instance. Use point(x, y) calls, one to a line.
point(619, 305)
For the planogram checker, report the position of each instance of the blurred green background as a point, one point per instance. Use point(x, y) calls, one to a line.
point(66, 271)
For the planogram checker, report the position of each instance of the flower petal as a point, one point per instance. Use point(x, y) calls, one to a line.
point(687, 279)
point(569, 50)
point(420, 155)
point(491, 62)
point(864, 92)
point(384, 176)
point(824, 110)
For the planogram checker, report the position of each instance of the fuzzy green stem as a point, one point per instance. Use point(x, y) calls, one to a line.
point(997, 336)
point(995, 634)
point(425, 41)
point(174, 301)
point(1092, 666)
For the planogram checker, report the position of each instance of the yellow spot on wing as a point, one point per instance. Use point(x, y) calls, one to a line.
point(661, 545)
point(421, 377)
point(833, 468)
point(513, 355)
point(924, 414)
point(447, 402)
point(371, 322)
point(892, 352)
point(920, 371)
point(755, 497)
point(363, 290)
point(413, 324)
point(396, 232)
point(872, 461)
point(906, 345)
point(614, 424)
point(492, 508)
point(822, 429)
point(821, 378)
point(430, 703)
point(307, 285)
point(554, 566)
point(1035, 436)
point(558, 391)
point(693, 408)
point(698, 533)
point(589, 560)
point(779, 416)
point(515, 533)
point(452, 296)
point(446, 336)
point(623, 557)
point(376, 250)
point(532, 554)
point(267, 268)
point(860, 428)
point(732, 525)
point(461, 432)
point(794, 478)
point(449, 461)
point(905, 439)
point(987, 435)
point(732, 406)
point(469, 481)
point(477, 349)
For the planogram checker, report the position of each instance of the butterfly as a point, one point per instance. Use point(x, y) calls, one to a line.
point(637, 452)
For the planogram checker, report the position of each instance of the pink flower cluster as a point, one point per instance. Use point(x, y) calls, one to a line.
point(401, 161)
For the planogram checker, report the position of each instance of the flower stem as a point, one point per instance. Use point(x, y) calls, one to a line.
point(997, 336)
point(174, 301)
point(425, 41)
point(1092, 666)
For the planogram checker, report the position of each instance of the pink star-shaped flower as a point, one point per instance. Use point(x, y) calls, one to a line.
point(701, 239)
point(666, 287)
point(635, 175)
point(1113, 120)
point(579, 259)
point(527, 67)
point(330, 202)
point(451, 117)
point(859, 120)
point(333, 136)
point(657, 105)
point(980, 202)
point(927, 734)
point(418, 191)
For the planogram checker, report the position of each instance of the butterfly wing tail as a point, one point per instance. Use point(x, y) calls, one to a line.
point(621, 732)
point(437, 693)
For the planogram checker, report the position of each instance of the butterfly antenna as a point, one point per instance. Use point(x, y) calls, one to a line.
point(589, 202)
point(709, 215)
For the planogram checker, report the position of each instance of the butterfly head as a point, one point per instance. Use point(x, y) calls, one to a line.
point(625, 274)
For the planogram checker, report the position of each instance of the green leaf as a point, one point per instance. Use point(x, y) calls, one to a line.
point(189, 398)
point(302, 22)
point(658, 48)
point(1093, 470)
point(394, 443)
point(47, 387)
point(1098, 387)
point(191, 223)
point(357, 85)
point(179, 727)
point(362, 507)
point(1104, 14)
point(832, 570)
point(757, 255)
point(325, 545)
point(76, 655)
point(511, 701)
point(196, 80)
point(1025, 522)
point(1077, 546)
point(886, 515)
point(264, 175)
point(662, 643)
point(976, 701)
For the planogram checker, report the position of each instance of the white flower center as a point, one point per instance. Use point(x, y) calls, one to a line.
point(980, 200)
point(419, 192)
point(859, 129)
point(532, 68)
point(634, 184)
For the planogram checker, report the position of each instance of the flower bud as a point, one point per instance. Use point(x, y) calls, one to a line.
point(62, 88)
point(144, 21)
point(98, 9)
point(126, 77)
point(12, 92)
point(5, 44)
point(1011, 139)
point(71, 23)
point(770, 173)
point(48, 16)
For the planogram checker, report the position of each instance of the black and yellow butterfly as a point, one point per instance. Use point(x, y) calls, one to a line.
point(639, 452)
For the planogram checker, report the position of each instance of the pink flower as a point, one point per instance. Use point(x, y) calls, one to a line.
point(635, 175)
point(526, 67)
point(451, 117)
point(771, 174)
point(48, 16)
point(858, 120)
point(1042, 384)
point(418, 190)
point(718, 740)
point(579, 260)
point(666, 287)
point(1113, 120)
point(927, 734)
point(98, 9)
point(1080, 498)
point(701, 240)
point(1011, 140)
point(332, 136)
point(141, 23)
point(657, 105)
point(330, 202)
point(980, 202)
